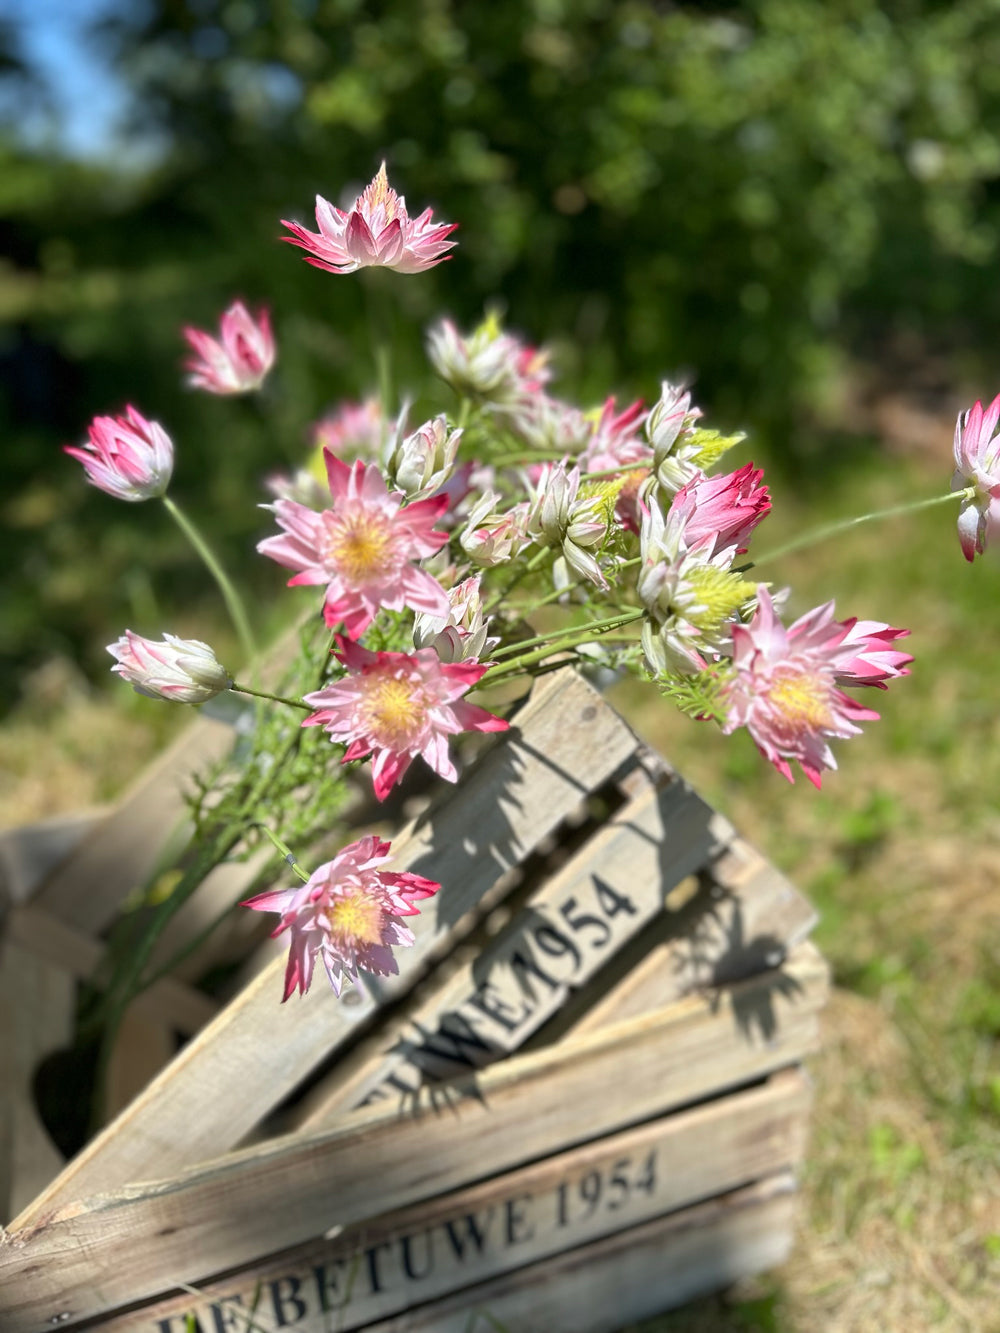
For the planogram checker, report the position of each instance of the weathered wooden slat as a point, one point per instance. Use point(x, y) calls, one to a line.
point(122, 851)
point(746, 917)
point(175, 1004)
point(563, 935)
point(37, 1012)
point(68, 1265)
point(565, 742)
point(527, 1215)
point(634, 1274)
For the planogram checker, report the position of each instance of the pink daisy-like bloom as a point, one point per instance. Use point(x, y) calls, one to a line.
point(977, 465)
point(727, 508)
point(239, 361)
point(395, 706)
point(128, 457)
point(362, 548)
point(376, 229)
point(183, 671)
point(348, 914)
point(785, 684)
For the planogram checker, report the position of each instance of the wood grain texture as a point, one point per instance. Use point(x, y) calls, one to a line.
point(632, 1275)
point(67, 1265)
point(525, 1216)
point(564, 742)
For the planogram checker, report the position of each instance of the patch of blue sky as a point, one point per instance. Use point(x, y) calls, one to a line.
point(85, 101)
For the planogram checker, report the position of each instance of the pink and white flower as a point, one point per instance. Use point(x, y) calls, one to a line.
point(487, 364)
point(785, 685)
point(424, 461)
point(363, 548)
point(491, 536)
point(239, 361)
point(875, 660)
point(183, 671)
point(129, 457)
point(977, 465)
point(462, 635)
point(376, 229)
point(354, 430)
point(348, 914)
point(395, 706)
point(691, 595)
point(727, 508)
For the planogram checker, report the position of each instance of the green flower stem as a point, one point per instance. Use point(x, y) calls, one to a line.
point(582, 634)
point(281, 847)
point(592, 626)
point(833, 529)
point(383, 372)
point(230, 596)
point(263, 694)
point(129, 981)
point(518, 460)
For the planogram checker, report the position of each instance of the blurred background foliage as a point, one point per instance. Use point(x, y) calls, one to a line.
point(761, 195)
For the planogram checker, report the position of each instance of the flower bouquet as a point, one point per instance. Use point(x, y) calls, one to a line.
point(510, 534)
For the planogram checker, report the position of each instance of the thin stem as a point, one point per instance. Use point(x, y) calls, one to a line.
point(230, 596)
point(570, 640)
point(517, 460)
point(832, 529)
point(288, 855)
point(592, 626)
point(263, 694)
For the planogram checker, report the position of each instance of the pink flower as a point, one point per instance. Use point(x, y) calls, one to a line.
point(183, 671)
point(462, 634)
point(488, 364)
point(376, 229)
point(240, 361)
point(129, 457)
point(785, 686)
point(727, 508)
point(348, 914)
point(876, 661)
point(395, 706)
point(977, 465)
point(362, 548)
point(354, 430)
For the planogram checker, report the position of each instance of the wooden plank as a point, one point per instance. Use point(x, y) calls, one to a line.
point(87, 888)
point(29, 853)
point(525, 1216)
point(37, 1016)
point(565, 742)
point(559, 940)
point(80, 957)
point(632, 1275)
point(746, 917)
point(67, 1265)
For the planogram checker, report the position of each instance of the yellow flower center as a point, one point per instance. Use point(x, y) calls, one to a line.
point(802, 699)
point(357, 918)
point(392, 710)
point(361, 548)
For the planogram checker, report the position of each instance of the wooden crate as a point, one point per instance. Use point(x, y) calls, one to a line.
point(581, 1101)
